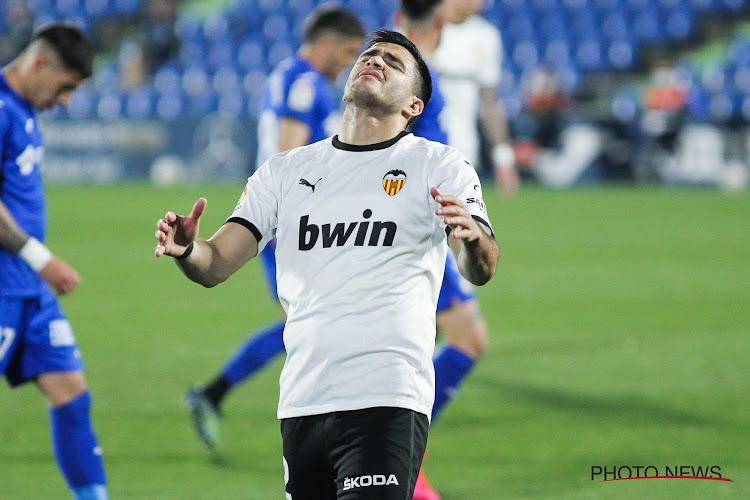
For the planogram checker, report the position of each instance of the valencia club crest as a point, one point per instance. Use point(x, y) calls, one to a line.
point(393, 181)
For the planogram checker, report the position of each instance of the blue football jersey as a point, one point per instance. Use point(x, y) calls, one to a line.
point(428, 124)
point(21, 187)
point(296, 90)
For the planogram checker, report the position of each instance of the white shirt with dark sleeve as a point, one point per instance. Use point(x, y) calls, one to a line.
point(360, 258)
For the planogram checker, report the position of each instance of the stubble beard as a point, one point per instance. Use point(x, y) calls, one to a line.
point(365, 98)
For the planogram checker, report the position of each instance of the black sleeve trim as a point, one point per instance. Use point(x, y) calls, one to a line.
point(484, 222)
point(249, 225)
point(476, 218)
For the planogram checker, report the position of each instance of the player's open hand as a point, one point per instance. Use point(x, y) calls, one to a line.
point(60, 276)
point(175, 232)
point(457, 216)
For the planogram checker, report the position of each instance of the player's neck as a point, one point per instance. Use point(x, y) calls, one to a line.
point(314, 57)
point(14, 79)
point(360, 127)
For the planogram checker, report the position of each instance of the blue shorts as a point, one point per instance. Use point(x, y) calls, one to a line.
point(455, 288)
point(35, 338)
point(268, 261)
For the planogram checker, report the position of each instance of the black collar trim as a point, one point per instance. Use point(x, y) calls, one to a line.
point(367, 147)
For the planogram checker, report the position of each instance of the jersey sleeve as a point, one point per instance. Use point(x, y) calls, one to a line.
point(301, 100)
point(457, 177)
point(492, 52)
point(257, 208)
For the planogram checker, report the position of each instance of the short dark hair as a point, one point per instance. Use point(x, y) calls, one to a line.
point(423, 83)
point(331, 18)
point(70, 43)
point(417, 10)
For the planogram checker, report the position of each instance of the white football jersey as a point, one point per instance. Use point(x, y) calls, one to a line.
point(468, 58)
point(360, 256)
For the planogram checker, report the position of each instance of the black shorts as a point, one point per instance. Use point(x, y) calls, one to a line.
point(373, 453)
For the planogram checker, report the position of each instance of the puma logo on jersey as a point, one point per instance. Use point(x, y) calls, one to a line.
point(369, 480)
point(339, 233)
point(305, 182)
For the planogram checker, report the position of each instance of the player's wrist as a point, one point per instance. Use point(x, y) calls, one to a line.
point(187, 252)
point(36, 255)
point(503, 156)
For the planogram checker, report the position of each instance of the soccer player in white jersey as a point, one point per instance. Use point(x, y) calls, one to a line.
point(469, 59)
point(360, 262)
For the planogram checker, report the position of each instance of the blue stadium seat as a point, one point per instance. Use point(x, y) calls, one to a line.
point(225, 81)
point(251, 56)
point(126, 7)
point(525, 55)
point(276, 28)
point(195, 81)
point(615, 25)
point(278, 52)
point(68, 7)
point(557, 52)
point(648, 26)
point(202, 104)
point(216, 28)
point(167, 79)
point(110, 106)
point(140, 103)
point(679, 24)
point(233, 104)
point(83, 102)
point(589, 55)
point(253, 83)
point(189, 29)
point(170, 106)
point(191, 53)
point(97, 8)
point(620, 54)
point(741, 80)
point(626, 106)
point(221, 54)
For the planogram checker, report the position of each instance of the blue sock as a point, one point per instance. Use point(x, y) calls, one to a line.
point(258, 350)
point(77, 449)
point(451, 367)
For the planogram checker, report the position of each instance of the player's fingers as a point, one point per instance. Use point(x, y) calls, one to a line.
point(451, 210)
point(198, 208)
point(170, 217)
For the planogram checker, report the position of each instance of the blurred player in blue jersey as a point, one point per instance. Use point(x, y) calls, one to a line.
point(36, 340)
point(300, 107)
point(458, 316)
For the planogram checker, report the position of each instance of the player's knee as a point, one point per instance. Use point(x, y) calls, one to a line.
point(479, 338)
point(60, 388)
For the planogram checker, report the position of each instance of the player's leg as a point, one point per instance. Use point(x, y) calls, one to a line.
point(73, 439)
point(48, 354)
point(377, 452)
point(308, 473)
point(465, 332)
point(257, 351)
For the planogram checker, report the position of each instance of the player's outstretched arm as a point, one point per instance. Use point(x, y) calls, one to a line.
point(476, 250)
point(54, 271)
point(207, 262)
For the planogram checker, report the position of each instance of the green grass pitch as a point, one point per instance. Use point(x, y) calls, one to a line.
point(620, 335)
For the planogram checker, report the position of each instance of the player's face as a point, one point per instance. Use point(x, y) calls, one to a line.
point(344, 55)
point(383, 76)
point(52, 86)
